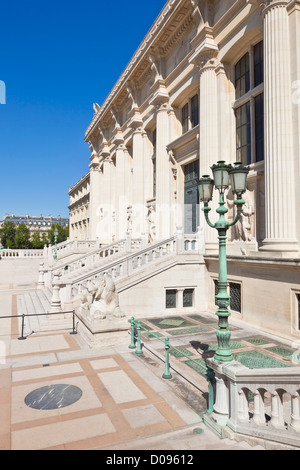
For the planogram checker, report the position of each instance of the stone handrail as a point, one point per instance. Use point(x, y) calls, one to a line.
point(117, 268)
point(69, 288)
point(126, 264)
point(95, 256)
point(261, 403)
point(71, 245)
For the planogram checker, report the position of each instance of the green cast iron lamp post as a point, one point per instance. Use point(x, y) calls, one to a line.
point(55, 242)
point(223, 176)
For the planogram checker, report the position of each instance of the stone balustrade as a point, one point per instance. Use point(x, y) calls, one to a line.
point(71, 287)
point(125, 265)
point(69, 245)
point(261, 403)
point(91, 258)
point(28, 253)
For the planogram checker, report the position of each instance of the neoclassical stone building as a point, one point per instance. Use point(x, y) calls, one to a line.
point(212, 80)
point(79, 208)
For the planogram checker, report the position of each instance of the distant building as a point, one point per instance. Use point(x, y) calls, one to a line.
point(79, 208)
point(39, 223)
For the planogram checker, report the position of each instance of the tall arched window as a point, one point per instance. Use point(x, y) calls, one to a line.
point(249, 106)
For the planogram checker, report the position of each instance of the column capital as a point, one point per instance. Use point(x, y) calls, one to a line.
point(118, 138)
point(205, 57)
point(160, 94)
point(95, 161)
point(267, 5)
point(136, 120)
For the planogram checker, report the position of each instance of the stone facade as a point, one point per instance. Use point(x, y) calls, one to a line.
point(79, 208)
point(212, 80)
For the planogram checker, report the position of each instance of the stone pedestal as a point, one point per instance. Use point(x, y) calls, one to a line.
point(110, 331)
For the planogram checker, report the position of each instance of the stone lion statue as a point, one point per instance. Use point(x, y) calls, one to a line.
point(101, 299)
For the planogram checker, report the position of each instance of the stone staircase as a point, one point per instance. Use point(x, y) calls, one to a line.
point(35, 305)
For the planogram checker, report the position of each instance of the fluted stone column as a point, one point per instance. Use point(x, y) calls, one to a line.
point(163, 171)
point(293, 10)
point(279, 153)
point(121, 199)
point(206, 58)
point(107, 231)
point(138, 199)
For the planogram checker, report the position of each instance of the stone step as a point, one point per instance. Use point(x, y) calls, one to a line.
point(191, 438)
point(31, 303)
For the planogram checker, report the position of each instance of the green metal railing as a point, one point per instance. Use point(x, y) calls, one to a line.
point(135, 334)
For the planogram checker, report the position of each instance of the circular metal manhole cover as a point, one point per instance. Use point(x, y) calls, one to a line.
point(52, 397)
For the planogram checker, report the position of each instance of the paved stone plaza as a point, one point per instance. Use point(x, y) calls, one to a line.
point(115, 399)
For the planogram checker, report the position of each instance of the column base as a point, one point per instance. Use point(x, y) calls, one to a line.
point(277, 246)
point(212, 248)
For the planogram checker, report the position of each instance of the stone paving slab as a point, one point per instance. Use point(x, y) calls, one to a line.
point(124, 403)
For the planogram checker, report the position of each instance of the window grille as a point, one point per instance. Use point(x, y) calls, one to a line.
point(235, 295)
point(188, 297)
point(171, 298)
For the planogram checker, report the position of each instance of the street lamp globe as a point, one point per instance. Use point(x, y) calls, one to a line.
point(221, 175)
point(238, 178)
point(205, 187)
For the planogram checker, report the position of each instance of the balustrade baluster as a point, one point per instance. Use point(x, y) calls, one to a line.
point(259, 409)
point(295, 417)
point(243, 413)
point(276, 411)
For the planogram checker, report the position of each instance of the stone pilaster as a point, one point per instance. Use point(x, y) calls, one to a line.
point(279, 152)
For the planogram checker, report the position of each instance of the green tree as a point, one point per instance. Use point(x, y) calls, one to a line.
point(22, 238)
point(44, 239)
point(36, 241)
point(7, 234)
point(62, 233)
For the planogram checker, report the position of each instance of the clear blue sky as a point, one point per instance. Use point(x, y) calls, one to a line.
point(58, 58)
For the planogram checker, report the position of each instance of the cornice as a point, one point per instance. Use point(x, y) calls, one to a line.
point(144, 47)
point(84, 178)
